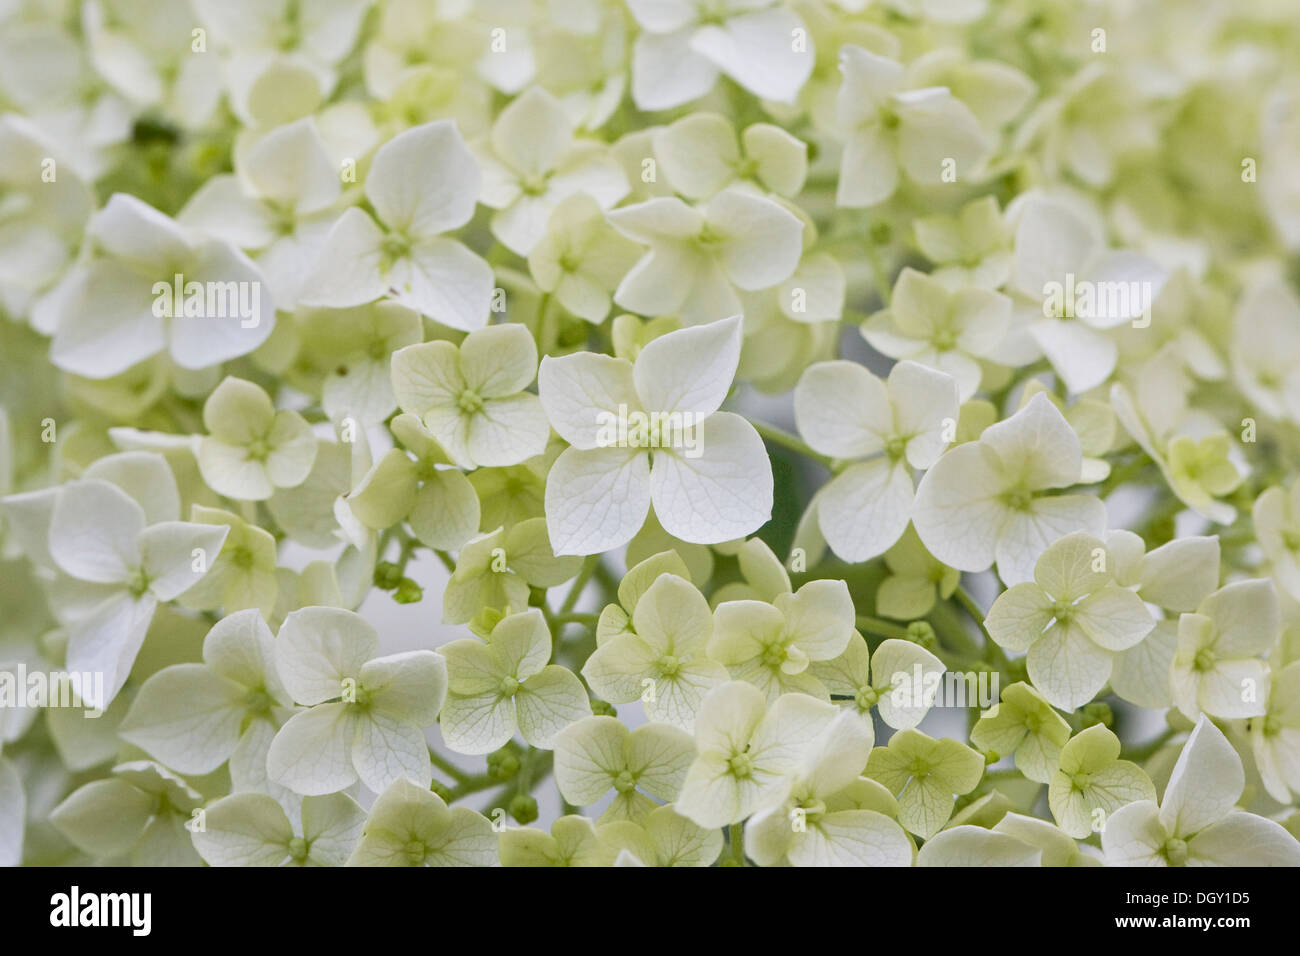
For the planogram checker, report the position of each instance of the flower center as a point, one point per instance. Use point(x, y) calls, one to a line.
point(394, 247)
point(1204, 659)
point(298, 849)
point(1175, 851)
point(1081, 781)
point(258, 701)
point(509, 686)
point(866, 698)
point(1018, 500)
point(669, 666)
point(469, 401)
point(415, 852)
point(625, 782)
point(742, 765)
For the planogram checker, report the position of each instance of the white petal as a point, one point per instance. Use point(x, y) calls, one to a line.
point(597, 499)
point(424, 181)
point(690, 370)
point(724, 493)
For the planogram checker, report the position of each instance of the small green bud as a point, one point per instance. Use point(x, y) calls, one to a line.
point(922, 633)
point(523, 808)
point(441, 790)
point(1098, 712)
point(603, 708)
point(502, 765)
point(991, 757)
point(387, 575)
point(408, 592)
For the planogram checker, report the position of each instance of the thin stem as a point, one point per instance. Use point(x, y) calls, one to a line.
point(579, 583)
point(779, 436)
point(447, 767)
point(882, 627)
point(447, 560)
point(736, 839)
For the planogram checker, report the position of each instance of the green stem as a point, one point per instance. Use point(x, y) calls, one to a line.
point(447, 767)
point(736, 839)
point(579, 583)
point(781, 437)
point(447, 560)
point(884, 628)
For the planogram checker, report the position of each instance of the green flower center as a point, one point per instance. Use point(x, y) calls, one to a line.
point(742, 766)
point(393, 248)
point(896, 447)
point(1018, 500)
point(813, 810)
point(258, 701)
point(139, 582)
point(509, 686)
point(415, 852)
point(258, 449)
point(625, 782)
point(866, 698)
point(1291, 539)
point(1063, 611)
point(298, 849)
point(1081, 781)
point(469, 401)
point(774, 655)
point(1175, 851)
point(889, 119)
point(1204, 659)
point(534, 185)
point(669, 666)
point(242, 558)
point(944, 339)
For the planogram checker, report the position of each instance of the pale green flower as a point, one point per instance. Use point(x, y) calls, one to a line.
point(472, 398)
point(599, 753)
point(496, 570)
point(251, 829)
point(251, 449)
point(662, 659)
point(1090, 783)
point(772, 645)
point(1196, 822)
point(365, 715)
point(1023, 723)
point(925, 775)
point(506, 685)
point(1072, 619)
point(409, 826)
point(747, 751)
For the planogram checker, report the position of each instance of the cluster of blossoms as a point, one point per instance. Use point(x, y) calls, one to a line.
point(650, 432)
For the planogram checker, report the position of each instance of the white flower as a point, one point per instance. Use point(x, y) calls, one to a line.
point(985, 500)
point(252, 449)
point(121, 307)
point(471, 398)
point(421, 183)
point(251, 829)
point(1218, 669)
point(409, 826)
point(1197, 823)
point(699, 257)
point(686, 43)
point(747, 751)
point(888, 127)
point(116, 554)
point(705, 471)
point(533, 161)
point(925, 775)
point(280, 204)
point(948, 330)
point(1059, 259)
point(195, 717)
point(660, 656)
point(1275, 737)
point(1276, 519)
point(1072, 619)
point(900, 680)
point(700, 156)
point(1091, 782)
point(597, 754)
point(137, 815)
point(772, 645)
point(365, 715)
point(821, 822)
point(581, 258)
point(506, 684)
point(976, 846)
point(844, 411)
